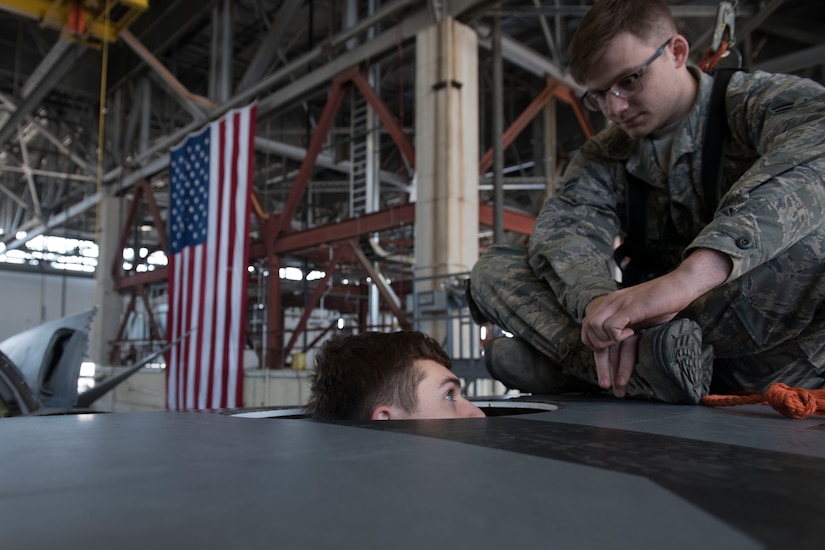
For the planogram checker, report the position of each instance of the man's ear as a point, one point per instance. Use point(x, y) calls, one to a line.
point(681, 50)
point(381, 413)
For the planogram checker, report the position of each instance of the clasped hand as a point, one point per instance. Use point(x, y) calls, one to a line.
point(612, 322)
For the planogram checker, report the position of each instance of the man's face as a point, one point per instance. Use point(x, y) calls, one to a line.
point(651, 108)
point(439, 395)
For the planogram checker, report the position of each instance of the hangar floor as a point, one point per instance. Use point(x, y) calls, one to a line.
point(596, 473)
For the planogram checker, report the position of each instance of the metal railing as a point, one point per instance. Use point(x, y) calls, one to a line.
point(438, 306)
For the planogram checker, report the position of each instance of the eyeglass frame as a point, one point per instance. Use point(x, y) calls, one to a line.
point(590, 95)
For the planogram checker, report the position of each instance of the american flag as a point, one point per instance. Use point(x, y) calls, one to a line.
point(209, 195)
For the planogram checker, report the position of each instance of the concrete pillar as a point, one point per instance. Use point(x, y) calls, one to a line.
point(108, 302)
point(447, 156)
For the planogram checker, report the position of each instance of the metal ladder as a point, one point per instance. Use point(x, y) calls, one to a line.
point(359, 130)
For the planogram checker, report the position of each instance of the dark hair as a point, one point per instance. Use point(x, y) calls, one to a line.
point(650, 20)
point(357, 373)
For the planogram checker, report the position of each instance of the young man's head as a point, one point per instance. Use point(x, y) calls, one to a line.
point(633, 63)
point(386, 376)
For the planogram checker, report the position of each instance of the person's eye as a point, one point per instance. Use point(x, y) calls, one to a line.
point(450, 395)
point(627, 84)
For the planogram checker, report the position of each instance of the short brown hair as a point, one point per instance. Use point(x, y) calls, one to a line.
point(650, 20)
point(355, 374)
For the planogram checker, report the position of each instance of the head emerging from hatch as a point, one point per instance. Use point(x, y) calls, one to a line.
point(386, 376)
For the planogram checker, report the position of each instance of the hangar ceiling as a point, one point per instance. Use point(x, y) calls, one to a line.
point(181, 63)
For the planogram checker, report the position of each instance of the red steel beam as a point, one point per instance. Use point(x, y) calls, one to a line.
point(142, 191)
point(336, 96)
point(160, 223)
point(122, 328)
point(518, 126)
point(347, 229)
point(567, 95)
point(552, 89)
point(513, 221)
point(126, 229)
point(325, 235)
point(273, 340)
point(132, 280)
point(291, 243)
point(313, 301)
point(387, 118)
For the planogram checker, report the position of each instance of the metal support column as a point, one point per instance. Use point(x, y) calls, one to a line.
point(498, 130)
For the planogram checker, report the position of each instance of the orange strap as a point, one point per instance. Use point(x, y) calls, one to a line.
point(790, 402)
point(711, 58)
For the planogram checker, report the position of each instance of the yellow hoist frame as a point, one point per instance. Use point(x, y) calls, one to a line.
point(90, 21)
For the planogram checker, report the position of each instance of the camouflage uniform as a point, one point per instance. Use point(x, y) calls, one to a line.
point(767, 321)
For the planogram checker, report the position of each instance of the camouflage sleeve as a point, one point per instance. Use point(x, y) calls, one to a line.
point(571, 244)
point(781, 197)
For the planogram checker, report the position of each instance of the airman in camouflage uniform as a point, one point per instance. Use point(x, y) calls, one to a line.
point(760, 303)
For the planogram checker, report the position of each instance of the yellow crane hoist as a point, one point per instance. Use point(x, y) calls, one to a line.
point(89, 21)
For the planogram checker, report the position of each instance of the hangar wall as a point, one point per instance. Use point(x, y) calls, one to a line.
point(30, 299)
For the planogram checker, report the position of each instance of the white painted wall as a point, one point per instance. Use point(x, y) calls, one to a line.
point(29, 299)
point(146, 390)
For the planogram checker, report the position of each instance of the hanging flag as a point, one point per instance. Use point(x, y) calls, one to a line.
point(209, 201)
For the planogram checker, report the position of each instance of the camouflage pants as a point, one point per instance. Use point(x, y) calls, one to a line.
point(766, 326)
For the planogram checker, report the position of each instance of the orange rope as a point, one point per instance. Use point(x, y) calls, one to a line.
point(711, 58)
point(790, 402)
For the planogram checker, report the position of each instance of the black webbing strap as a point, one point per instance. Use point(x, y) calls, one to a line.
point(636, 196)
point(716, 133)
point(633, 255)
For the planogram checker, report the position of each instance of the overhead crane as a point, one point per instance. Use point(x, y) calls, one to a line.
point(89, 21)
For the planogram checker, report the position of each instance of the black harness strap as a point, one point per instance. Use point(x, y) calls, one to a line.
point(716, 133)
point(633, 256)
point(636, 210)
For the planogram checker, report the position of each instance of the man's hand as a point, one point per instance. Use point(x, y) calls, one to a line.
point(614, 364)
point(611, 323)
